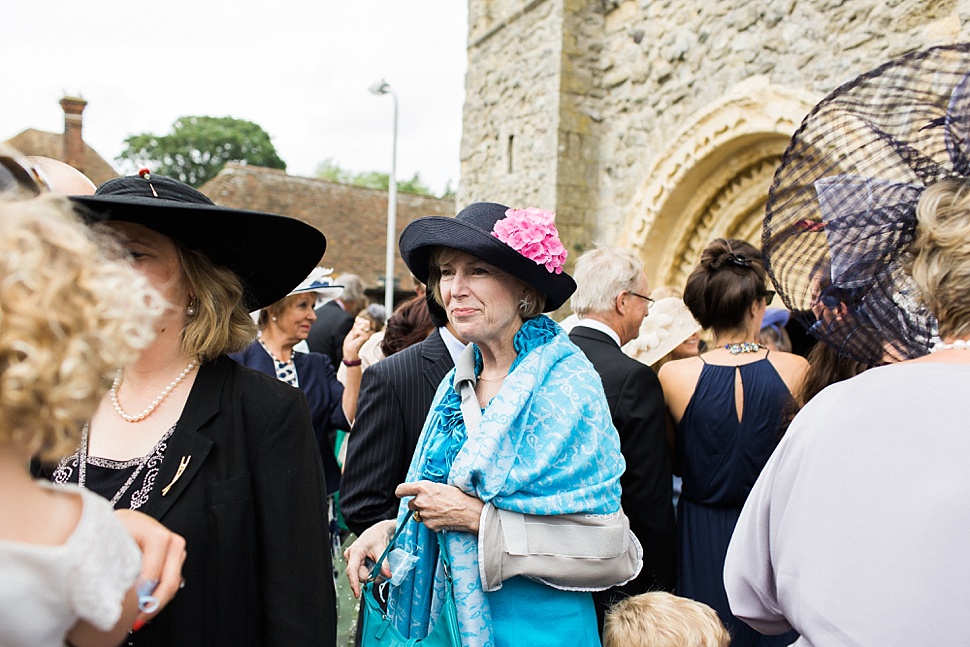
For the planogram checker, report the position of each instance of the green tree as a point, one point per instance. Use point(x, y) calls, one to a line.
point(330, 170)
point(414, 185)
point(198, 147)
point(449, 191)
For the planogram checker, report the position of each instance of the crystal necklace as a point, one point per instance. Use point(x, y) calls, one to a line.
point(82, 462)
point(959, 344)
point(157, 401)
point(743, 347)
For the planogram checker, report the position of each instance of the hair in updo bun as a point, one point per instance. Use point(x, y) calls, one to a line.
point(729, 279)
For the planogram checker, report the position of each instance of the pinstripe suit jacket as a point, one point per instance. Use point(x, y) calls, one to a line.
point(395, 396)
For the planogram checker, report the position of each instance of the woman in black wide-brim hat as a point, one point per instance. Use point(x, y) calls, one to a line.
point(220, 454)
point(532, 445)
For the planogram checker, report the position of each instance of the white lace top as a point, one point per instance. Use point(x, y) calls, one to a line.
point(45, 590)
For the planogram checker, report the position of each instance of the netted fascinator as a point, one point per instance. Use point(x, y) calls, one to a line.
point(841, 212)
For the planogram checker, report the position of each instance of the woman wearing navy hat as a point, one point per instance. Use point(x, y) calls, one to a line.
point(220, 454)
point(532, 442)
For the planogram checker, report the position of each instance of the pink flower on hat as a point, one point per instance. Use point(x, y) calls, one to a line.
point(532, 232)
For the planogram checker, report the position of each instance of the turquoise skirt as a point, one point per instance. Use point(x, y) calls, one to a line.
point(525, 612)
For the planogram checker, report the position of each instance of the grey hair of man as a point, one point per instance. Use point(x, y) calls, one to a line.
point(353, 288)
point(601, 274)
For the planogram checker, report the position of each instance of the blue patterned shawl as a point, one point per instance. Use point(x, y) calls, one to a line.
point(546, 445)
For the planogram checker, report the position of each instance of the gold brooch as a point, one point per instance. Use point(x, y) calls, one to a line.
point(182, 465)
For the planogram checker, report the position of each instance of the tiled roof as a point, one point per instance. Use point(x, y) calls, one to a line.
point(39, 142)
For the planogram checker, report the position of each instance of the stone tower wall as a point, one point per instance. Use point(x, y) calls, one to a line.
point(657, 124)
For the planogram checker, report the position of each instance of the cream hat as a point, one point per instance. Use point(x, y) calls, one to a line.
point(668, 325)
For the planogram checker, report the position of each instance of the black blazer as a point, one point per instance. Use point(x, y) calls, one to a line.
point(328, 331)
point(395, 396)
point(324, 396)
point(636, 403)
point(251, 506)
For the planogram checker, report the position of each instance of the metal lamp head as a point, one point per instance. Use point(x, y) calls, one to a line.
point(381, 87)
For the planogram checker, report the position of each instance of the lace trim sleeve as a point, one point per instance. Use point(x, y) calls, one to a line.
point(106, 563)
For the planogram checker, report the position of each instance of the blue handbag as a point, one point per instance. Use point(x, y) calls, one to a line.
point(377, 628)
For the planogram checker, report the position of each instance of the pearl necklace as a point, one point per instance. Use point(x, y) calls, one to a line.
point(743, 347)
point(959, 344)
point(157, 401)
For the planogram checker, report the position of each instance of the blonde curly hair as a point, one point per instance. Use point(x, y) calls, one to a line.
point(940, 263)
point(660, 619)
point(72, 312)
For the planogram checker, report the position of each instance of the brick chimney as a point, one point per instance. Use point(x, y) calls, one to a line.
point(73, 142)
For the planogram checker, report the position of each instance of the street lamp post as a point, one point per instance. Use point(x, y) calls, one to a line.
point(382, 87)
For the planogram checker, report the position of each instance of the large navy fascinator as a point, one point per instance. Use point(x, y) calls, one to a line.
point(841, 212)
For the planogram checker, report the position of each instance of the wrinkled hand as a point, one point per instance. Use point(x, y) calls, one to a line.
point(359, 333)
point(163, 553)
point(442, 507)
point(370, 544)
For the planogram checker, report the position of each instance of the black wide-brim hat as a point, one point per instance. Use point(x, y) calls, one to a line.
point(471, 231)
point(270, 254)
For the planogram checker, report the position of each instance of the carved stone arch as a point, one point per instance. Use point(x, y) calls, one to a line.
point(712, 180)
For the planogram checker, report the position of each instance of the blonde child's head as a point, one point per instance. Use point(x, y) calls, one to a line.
point(659, 619)
point(72, 312)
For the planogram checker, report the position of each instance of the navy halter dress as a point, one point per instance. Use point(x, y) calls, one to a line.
point(720, 457)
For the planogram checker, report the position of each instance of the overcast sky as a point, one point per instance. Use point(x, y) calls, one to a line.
point(299, 68)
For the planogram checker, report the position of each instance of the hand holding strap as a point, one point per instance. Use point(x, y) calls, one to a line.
point(376, 571)
point(442, 548)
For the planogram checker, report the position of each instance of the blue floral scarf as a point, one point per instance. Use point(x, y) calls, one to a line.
point(539, 450)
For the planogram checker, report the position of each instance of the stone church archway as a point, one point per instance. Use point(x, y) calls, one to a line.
point(712, 181)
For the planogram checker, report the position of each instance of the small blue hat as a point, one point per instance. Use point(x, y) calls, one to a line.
point(775, 317)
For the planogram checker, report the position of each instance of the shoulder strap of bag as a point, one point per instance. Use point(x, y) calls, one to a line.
point(443, 551)
point(465, 385)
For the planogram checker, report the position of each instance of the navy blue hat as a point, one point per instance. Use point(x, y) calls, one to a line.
point(270, 254)
point(473, 231)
